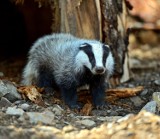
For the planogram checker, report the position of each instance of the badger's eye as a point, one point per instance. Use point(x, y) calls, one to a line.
point(89, 53)
point(91, 57)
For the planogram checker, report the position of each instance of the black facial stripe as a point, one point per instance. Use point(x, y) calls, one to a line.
point(88, 50)
point(105, 54)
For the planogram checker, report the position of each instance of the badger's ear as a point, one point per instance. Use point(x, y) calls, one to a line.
point(106, 45)
point(83, 46)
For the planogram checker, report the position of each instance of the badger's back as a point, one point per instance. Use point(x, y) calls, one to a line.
point(51, 53)
point(52, 47)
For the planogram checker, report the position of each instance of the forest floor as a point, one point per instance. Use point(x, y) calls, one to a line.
point(57, 121)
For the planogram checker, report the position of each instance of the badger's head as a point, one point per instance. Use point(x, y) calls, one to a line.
point(96, 57)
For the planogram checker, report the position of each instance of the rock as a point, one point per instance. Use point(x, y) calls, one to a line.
point(4, 102)
point(125, 117)
point(108, 111)
point(156, 97)
point(109, 118)
point(87, 122)
point(57, 110)
point(157, 82)
point(122, 111)
point(9, 91)
point(22, 118)
point(150, 107)
point(137, 101)
point(14, 111)
point(144, 92)
point(134, 62)
point(18, 102)
point(46, 117)
point(68, 128)
point(113, 113)
point(99, 112)
point(1, 74)
point(131, 85)
point(25, 106)
point(84, 117)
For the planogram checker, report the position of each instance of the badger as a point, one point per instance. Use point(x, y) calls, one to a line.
point(65, 62)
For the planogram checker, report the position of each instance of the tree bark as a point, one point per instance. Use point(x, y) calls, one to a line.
point(81, 18)
point(115, 33)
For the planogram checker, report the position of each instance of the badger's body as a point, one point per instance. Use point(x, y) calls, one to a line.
point(66, 62)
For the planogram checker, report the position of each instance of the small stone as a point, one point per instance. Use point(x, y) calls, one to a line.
point(87, 122)
point(122, 112)
point(46, 117)
point(71, 115)
point(3, 109)
point(1, 74)
point(131, 85)
point(99, 112)
point(134, 62)
point(5, 102)
point(109, 118)
point(157, 82)
point(37, 107)
point(108, 111)
point(9, 91)
point(68, 128)
point(57, 110)
point(113, 113)
point(124, 118)
point(21, 118)
point(156, 97)
point(14, 111)
point(137, 101)
point(19, 102)
point(25, 106)
point(144, 92)
point(150, 107)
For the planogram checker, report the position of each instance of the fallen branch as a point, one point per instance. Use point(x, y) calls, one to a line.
point(124, 92)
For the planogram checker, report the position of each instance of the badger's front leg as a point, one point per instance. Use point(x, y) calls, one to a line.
point(69, 95)
point(97, 89)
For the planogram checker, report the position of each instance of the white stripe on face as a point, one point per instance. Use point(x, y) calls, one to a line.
point(98, 54)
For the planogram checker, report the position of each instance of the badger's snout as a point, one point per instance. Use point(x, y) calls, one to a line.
point(99, 70)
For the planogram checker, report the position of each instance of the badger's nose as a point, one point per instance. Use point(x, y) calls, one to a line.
point(99, 70)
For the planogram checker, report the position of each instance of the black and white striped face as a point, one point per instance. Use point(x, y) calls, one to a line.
point(96, 57)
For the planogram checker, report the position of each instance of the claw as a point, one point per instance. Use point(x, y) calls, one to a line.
point(102, 106)
point(76, 106)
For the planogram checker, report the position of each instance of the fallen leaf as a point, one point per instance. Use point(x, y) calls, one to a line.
point(86, 110)
point(32, 93)
point(57, 101)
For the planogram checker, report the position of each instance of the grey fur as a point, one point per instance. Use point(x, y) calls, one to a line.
point(58, 52)
point(65, 61)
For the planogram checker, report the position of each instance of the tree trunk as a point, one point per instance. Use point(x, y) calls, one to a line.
point(81, 18)
point(115, 33)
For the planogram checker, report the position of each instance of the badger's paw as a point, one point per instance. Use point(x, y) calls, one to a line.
point(102, 106)
point(76, 106)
